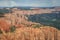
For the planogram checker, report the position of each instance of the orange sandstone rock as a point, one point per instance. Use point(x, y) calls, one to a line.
point(4, 25)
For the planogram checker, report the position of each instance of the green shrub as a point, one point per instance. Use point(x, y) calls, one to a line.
point(12, 28)
point(0, 31)
point(37, 26)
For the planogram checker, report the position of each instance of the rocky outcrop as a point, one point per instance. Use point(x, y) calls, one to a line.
point(4, 25)
point(29, 33)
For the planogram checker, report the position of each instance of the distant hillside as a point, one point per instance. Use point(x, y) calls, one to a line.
point(52, 19)
point(4, 11)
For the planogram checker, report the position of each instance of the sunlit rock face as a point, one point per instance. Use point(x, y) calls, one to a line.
point(4, 25)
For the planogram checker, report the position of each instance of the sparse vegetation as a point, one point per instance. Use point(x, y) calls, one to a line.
point(0, 31)
point(48, 19)
point(36, 26)
point(12, 28)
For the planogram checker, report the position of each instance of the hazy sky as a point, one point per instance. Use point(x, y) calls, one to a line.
point(33, 3)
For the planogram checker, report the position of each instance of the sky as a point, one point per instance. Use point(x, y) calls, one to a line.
point(31, 3)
